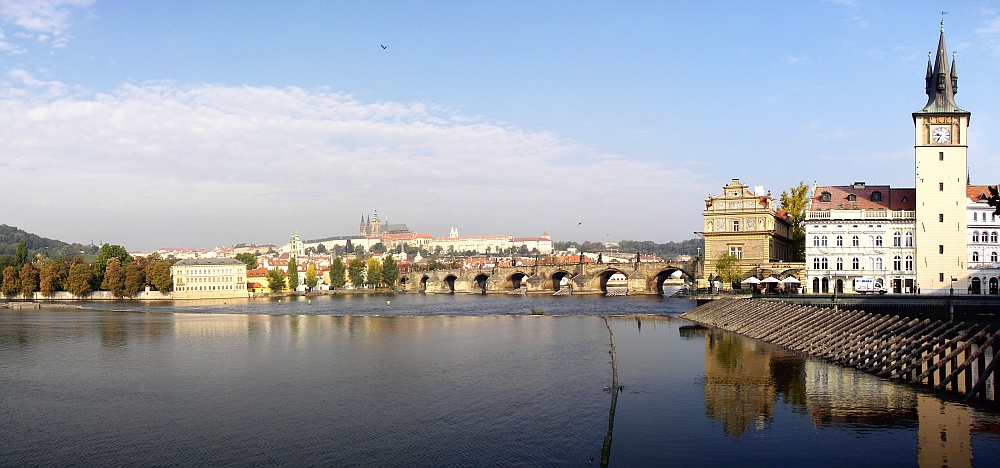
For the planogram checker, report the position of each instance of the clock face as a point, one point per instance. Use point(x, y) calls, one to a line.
point(941, 135)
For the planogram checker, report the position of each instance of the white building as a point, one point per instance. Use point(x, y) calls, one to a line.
point(209, 278)
point(983, 242)
point(860, 231)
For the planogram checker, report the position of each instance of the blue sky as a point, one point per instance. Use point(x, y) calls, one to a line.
point(202, 123)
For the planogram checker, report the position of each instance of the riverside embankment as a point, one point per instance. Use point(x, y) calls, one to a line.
point(943, 355)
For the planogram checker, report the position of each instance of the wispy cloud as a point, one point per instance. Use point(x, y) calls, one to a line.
point(42, 21)
point(159, 163)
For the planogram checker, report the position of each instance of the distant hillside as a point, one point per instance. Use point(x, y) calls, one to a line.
point(10, 236)
point(669, 250)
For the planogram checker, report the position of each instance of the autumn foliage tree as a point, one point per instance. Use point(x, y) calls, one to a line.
point(29, 281)
point(114, 278)
point(134, 278)
point(10, 285)
point(312, 276)
point(80, 276)
point(51, 276)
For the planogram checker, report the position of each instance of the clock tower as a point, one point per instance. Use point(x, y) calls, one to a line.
point(941, 146)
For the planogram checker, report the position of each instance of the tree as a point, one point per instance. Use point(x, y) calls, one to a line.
point(293, 274)
point(134, 278)
point(356, 271)
point(114, 278)
point(378, 248)
point(51, 277)
point(275, 280)
point(10, 284)
point(373, 275)
point(795, 201)
point(321, 249)
point(158, 275)
point(29, 280)
point(248, 258)
point(312, 277)
point(390, 271)
point(80, 276)
point(359, 250)
point(21, 254)
point(106, 253)
point(727, 269)
point(337, 278)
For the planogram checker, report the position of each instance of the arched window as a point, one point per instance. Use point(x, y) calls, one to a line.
point(909, 263)
point(897, 239)
point(975, 256)
point(897, 263)
point(816, 263)
point(855, 263)
point(855, 241)
point(878, 263)
point(840, 263)
point(993, 237)
point(993, 256)
point(840, 241)
point(826, 263)
point(822, 241)
point(878, 241)
point(909, 239)
point(815, 241)
point(975, 236)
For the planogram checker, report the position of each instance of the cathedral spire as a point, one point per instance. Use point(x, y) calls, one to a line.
point(940, 83)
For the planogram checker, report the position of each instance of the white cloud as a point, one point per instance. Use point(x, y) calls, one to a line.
point(44, 20)
point(160, 164)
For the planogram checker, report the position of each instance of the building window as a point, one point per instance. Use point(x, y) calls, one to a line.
point(840, 263)
point(736, 225)
point(855, 264)
point(826, 263)
point(855, 242)
point(993, 256)
point(941, 277)
point(909, 263)
point(851, 197)
point(840, 241)
point(940, 217)
point(878, 241)
point(871, 241)
point(737, 251)
point(816, 263)
point(940, 186)
point(822, 241)
point(975, 256)
point(993, 237)
point(876, 196)
point(909, 239)
point(975, 236)
point(897, 239)
point(878, 263)
point(941, 158)
point(897, 263)
point(941, 249)
point(815, 241)
point(975, 216)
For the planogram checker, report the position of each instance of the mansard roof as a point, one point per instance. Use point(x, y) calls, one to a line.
point(891, 199)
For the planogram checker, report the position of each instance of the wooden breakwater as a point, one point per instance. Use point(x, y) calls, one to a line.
point(943, 355)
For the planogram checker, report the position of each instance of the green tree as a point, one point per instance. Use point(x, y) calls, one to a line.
point(29, 280)
point(114, 278)
point(158, 275)
point(312, 277)
point(378, 248)
point(134, 278)
point(356, 271)
point(248, 258)
point(51, 277)
point(390, 271)
point(727, 269)
point(275, 280)
point(794, 201)
point(11, 285)
point(106, 253)
point(337, 276)
point(80, 276)
point(293, 274)
point(21, 254)
point(321, 249)
point(373, 275)
point(359, 250)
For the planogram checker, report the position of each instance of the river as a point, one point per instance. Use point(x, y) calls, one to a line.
point(446, 381)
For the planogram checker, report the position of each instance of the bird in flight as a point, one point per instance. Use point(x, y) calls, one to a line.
point(581, 222)
point(383, 47)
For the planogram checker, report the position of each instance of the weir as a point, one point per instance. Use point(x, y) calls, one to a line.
point(940, 355)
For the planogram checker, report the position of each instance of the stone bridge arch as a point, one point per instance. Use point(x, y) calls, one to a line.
point(654, 283)
point(482, 282)
point(556, 278)
point(516, 280)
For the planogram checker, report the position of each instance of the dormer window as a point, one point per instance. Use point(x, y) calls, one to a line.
point(852, 197)
point(824, 197)
point(904, 200)
point(876, 196)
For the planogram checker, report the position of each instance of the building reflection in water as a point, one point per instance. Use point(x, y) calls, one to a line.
point(744, 379)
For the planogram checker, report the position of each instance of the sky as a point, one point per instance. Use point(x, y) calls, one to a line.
point(198, 124)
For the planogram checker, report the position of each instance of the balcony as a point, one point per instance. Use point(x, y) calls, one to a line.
point(861, 214)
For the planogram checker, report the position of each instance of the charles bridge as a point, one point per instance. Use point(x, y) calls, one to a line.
point(581, 278)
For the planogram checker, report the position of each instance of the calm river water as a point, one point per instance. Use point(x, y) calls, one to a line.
point(446, 381)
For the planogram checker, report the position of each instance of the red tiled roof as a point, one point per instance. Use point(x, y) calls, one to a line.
point(899, 199)
point(975, 192)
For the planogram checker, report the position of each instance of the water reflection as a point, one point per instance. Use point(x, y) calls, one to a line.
point(745, 378)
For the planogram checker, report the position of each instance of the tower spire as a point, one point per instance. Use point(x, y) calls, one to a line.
point(940, 82)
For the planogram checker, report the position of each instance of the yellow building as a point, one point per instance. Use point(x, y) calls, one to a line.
point(209, 278)
point(746, 224)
